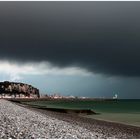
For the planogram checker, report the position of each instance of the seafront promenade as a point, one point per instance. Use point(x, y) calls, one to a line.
point(23, 123)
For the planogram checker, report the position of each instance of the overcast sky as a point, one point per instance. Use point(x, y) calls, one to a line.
point(72, 48)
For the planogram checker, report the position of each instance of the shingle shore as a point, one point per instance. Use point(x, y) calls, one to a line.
point(104, 128)
point(26, 123)
point(21, 123)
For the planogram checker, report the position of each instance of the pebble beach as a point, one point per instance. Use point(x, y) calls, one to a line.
point(23, 123)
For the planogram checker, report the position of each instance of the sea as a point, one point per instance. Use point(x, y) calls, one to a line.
point(126, 111)
point(113, 106)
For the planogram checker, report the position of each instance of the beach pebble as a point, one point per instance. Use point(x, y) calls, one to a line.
point(17, 122)
point(21, 123)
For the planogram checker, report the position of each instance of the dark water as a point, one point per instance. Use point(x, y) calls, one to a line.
point(110, 106)
point(122, 111)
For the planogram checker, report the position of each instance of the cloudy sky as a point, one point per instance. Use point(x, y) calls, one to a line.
point(73, 48)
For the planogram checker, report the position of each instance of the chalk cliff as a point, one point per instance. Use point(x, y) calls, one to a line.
point(13, 89)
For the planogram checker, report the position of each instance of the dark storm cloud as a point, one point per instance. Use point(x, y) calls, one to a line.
point(103, 37)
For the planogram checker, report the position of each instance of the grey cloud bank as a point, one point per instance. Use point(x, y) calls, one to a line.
point(102, 37)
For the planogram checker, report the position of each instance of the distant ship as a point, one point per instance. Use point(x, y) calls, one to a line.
point(115, 96)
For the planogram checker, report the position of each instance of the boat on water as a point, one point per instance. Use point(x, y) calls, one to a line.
point(115, 96)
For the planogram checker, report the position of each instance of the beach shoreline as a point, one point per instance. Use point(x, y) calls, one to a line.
point(108, 128)
point(17, 122)
point(118, 111)
point(113, 121)
point(24, 121)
